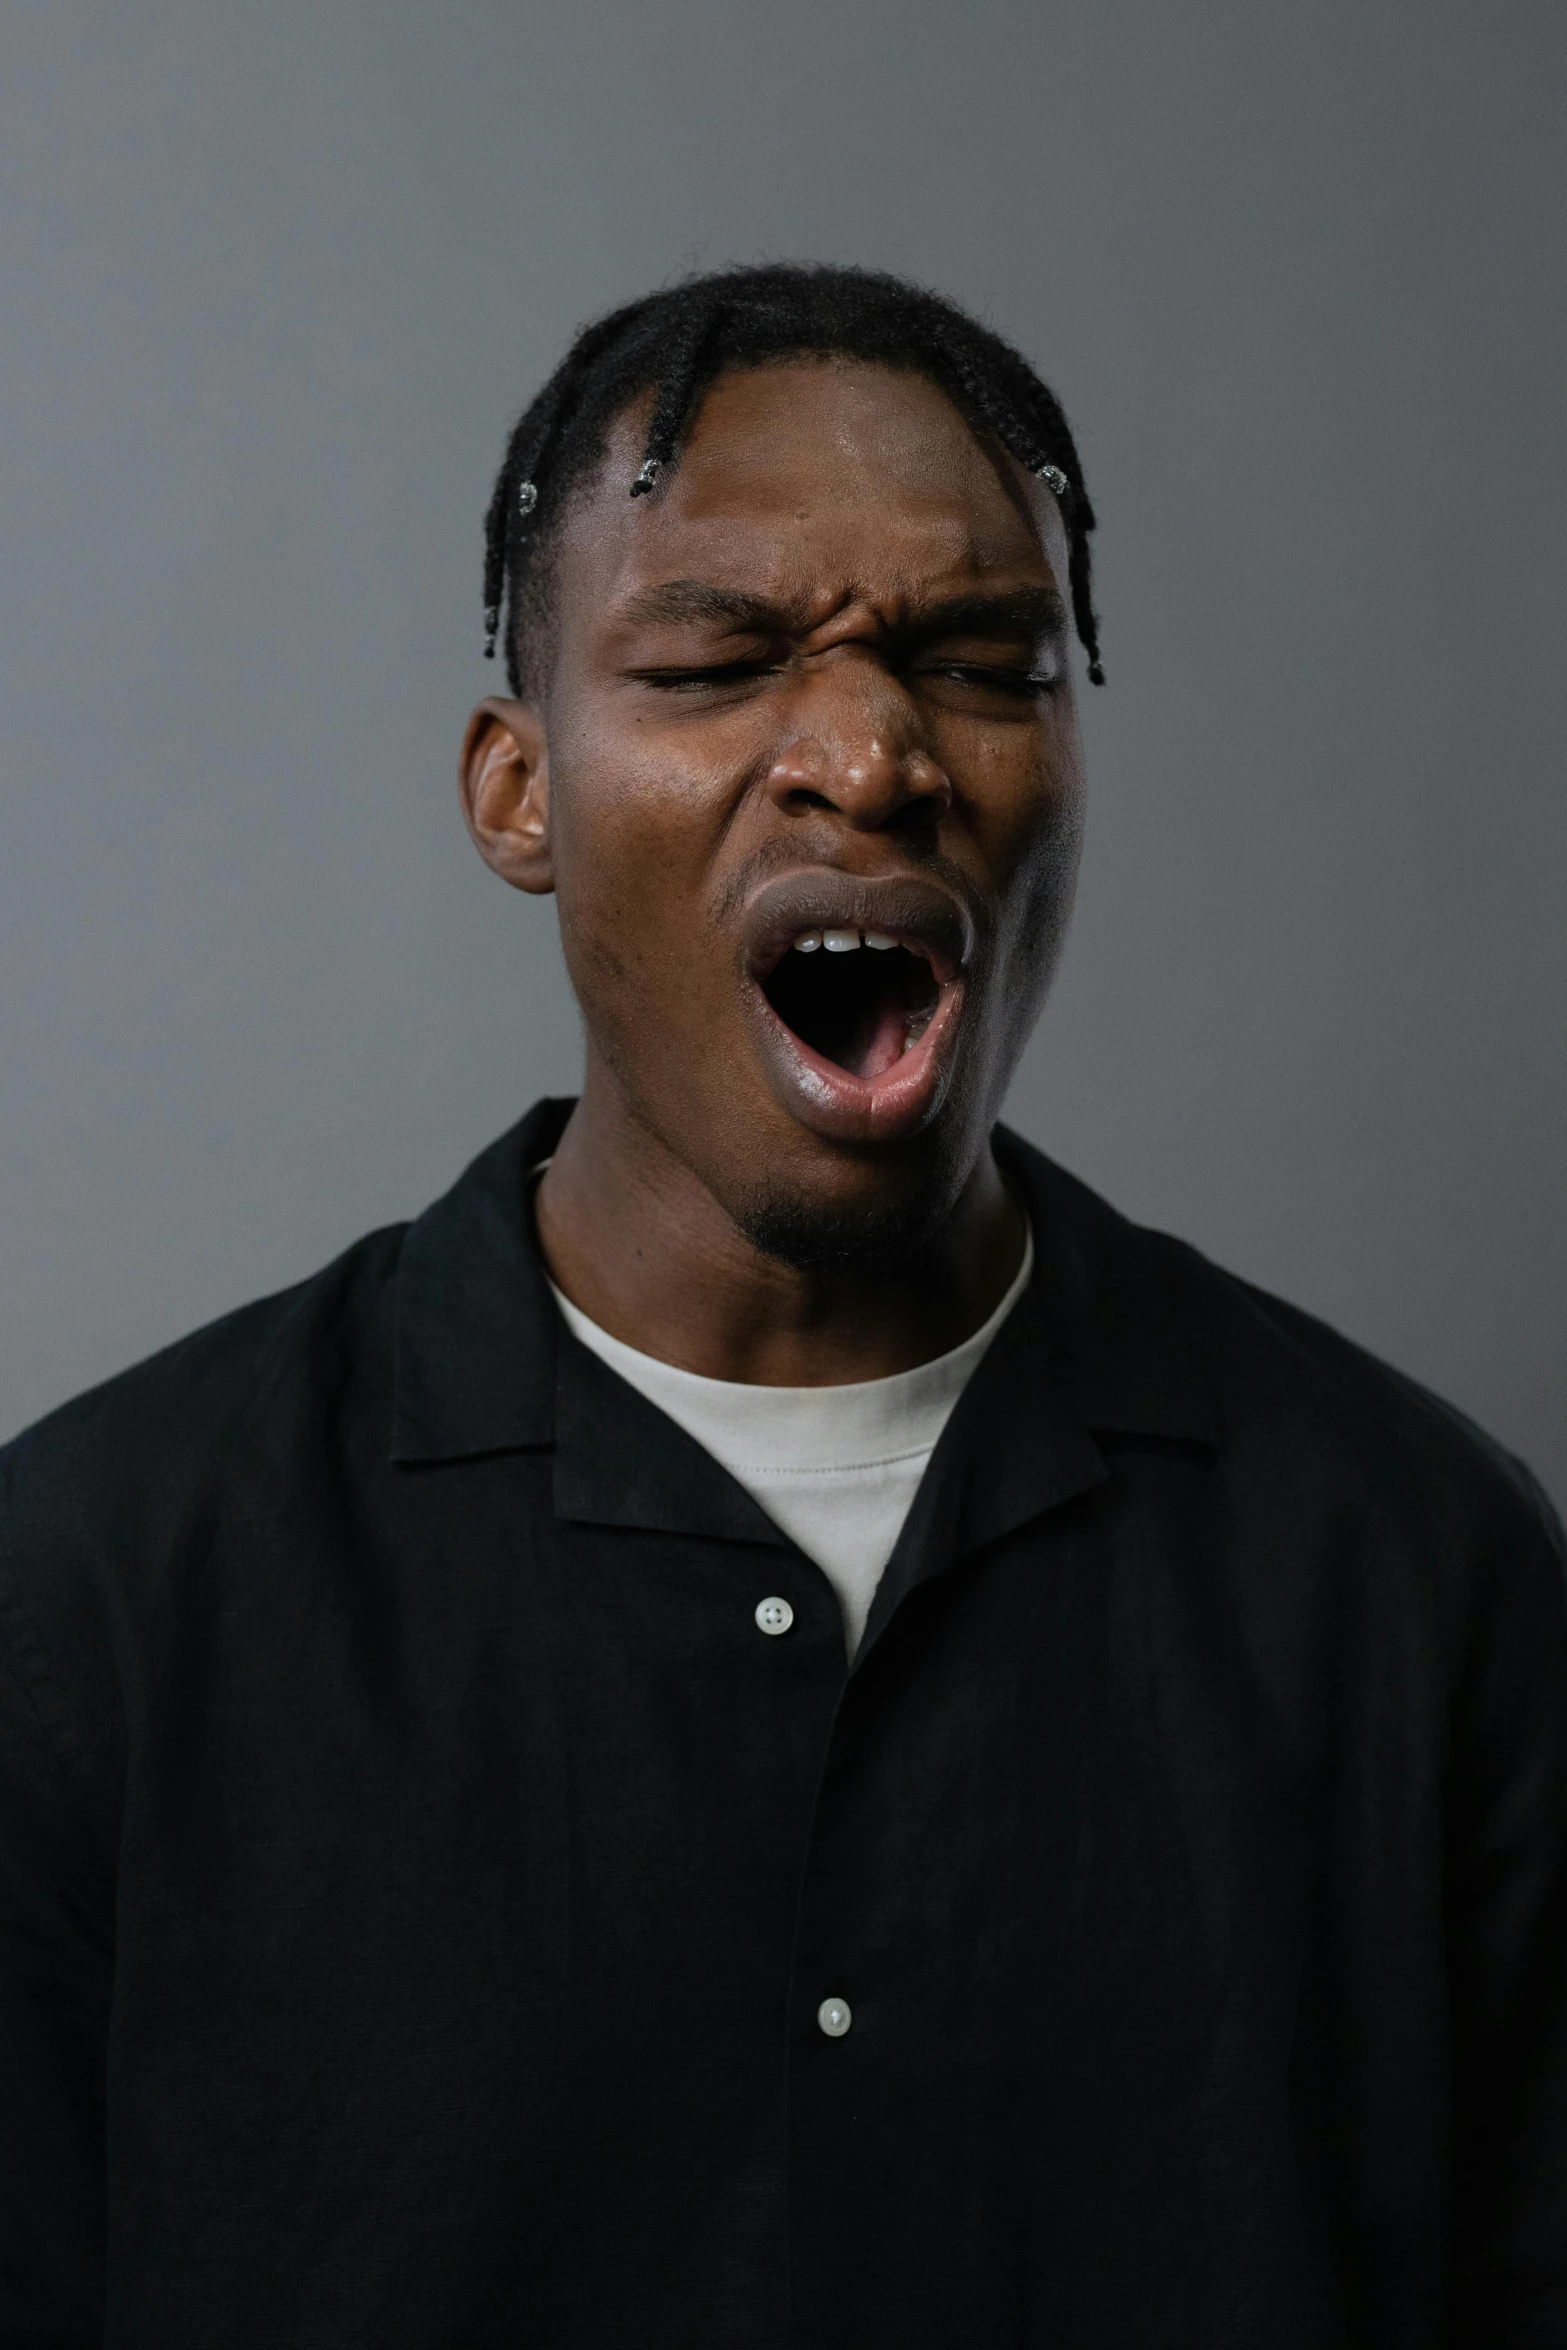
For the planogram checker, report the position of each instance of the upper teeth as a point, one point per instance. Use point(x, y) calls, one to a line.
point(842, 942)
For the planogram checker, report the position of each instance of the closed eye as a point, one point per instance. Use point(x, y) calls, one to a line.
point(1023, 684)
point(1018, 684)
point(718, 673)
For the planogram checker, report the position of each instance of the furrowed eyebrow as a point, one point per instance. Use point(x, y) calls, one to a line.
point(675, 600)
point(1034, 612)
point(1027, 612)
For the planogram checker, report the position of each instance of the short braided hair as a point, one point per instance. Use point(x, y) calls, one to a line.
point(677, 342)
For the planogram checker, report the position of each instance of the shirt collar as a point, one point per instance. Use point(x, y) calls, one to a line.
point(476, 1325)
point(1115, 1307)
point(1101, 1343)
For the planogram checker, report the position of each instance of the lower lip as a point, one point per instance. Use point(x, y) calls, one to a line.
point(845, 1108)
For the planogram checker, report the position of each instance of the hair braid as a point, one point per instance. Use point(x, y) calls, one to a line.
point(510, 506)
point(1028, 420)
point(676, 391)
point(514, 499)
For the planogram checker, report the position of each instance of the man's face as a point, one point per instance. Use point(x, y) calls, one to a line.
point(812, 790)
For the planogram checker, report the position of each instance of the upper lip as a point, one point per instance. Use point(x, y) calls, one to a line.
point(920, 914)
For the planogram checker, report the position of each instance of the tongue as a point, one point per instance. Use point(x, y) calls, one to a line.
point(883, 1041)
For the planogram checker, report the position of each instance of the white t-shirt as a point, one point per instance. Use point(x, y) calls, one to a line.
point(835, 1467)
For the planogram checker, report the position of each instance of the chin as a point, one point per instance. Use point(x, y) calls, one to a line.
point(885, 1226)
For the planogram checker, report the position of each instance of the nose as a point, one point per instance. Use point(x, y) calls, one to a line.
point(857, 747)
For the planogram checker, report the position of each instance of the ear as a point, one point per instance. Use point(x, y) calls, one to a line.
point(504, 781)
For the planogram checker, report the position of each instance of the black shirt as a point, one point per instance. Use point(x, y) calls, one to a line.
point(422, 1875)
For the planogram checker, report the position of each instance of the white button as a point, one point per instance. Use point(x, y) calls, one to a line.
point(834, 2017)
point(774, 1615)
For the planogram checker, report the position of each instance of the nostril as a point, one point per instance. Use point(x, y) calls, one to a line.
point(921, 813)
point(918, 809)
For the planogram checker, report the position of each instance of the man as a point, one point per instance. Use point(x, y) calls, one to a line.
point(771, 1727)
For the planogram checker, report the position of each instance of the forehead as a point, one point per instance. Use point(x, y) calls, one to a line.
point(818, 482)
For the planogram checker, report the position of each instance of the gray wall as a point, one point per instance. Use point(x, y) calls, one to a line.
point(275, 277)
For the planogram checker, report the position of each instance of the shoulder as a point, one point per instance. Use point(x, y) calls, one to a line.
point(148, 1425)
point(99, 1499)
point(1305, 1416)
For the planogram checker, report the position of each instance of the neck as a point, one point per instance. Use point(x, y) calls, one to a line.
point(633, 1237)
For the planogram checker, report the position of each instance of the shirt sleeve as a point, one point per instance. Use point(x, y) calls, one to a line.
point(1507, 1926)
point(56, 1964)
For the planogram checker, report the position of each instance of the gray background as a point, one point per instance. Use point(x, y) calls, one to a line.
point(275, 280)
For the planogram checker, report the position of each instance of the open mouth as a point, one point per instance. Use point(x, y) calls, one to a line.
point(860, 999)
point(856, 985)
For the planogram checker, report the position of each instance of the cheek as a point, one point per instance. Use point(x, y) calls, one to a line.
point(1023, 795)
point(632, 850)
point(1033, 845)
point(632, 792)
point(1039, 911)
